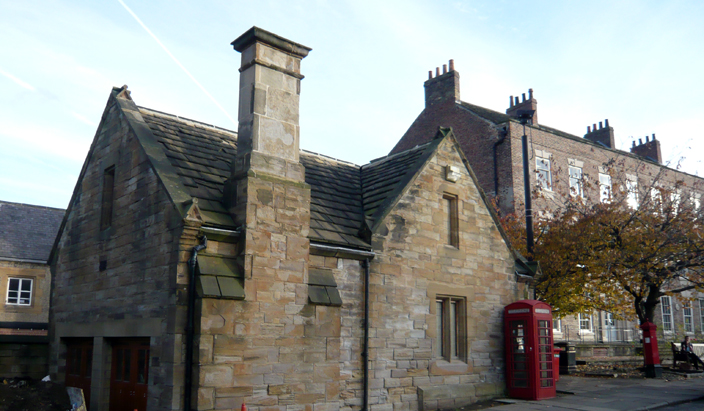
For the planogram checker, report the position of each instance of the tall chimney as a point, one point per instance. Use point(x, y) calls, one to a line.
point(649, 149)
point(270, 84)
point(444, 88)
point(603, 135)
point(529, 104)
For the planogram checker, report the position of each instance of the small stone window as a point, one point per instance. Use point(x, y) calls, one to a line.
point(19, 291)
point(451, 334)
point(452, 220)
point(108, 197)
point(322, 288)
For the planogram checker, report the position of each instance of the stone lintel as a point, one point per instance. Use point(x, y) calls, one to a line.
point(255, 34)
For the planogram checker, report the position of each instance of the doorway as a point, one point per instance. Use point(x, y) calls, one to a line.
point(130, 374)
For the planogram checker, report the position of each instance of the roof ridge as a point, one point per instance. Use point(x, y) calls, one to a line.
point(328, 157)
point(32, 205)
point(185, 119)
point(388, 157)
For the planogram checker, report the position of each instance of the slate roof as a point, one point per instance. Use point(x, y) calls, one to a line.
point(201, 155)
point(346, 199)
point(27, 232)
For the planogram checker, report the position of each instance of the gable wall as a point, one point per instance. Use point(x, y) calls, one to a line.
point(412, 266)
point(136, 295)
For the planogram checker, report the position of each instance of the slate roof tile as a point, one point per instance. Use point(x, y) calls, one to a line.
point(27, 232)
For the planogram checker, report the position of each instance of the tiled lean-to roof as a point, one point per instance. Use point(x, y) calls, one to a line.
point(346, 199)
point(27, 232)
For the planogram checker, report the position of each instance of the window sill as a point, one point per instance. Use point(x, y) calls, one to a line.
point(444, 367)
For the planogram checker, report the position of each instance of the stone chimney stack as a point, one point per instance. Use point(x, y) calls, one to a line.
point(603, 135)
point(270, 85)
point(650, 149)
point(444, 87)
point(516, 105)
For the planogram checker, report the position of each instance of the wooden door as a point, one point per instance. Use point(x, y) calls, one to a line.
point(79, 365)
point(130, 375)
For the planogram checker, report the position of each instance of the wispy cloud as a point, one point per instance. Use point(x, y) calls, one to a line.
point(200, 86)
point(17, 81)
point(83, 119)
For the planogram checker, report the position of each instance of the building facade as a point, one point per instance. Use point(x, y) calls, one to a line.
point(199, 268)
point(27, 233)
point(560, 165)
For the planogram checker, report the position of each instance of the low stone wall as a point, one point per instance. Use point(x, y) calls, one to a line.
point(607, 350)
point(24, 360)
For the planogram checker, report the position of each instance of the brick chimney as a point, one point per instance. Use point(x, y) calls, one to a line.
point(516, 105)
point(650, 149)
point(603, 135)
point(442, 88)
point(270, 85)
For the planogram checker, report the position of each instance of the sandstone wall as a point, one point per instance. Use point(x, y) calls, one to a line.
point(120, 282)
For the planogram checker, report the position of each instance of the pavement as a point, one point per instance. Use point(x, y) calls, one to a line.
point(613, 394)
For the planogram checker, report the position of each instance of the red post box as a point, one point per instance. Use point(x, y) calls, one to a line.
point(529, 350)
point(653, 369)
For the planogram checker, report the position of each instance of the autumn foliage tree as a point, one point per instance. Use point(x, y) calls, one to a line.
point(619, 252)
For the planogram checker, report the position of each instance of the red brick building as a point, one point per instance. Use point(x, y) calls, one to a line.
point(491, 141)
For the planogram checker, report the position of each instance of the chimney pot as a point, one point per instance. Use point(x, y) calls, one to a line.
point(530, 93)
point(516, 101)
point(430, 74)
point(647, 139)
point(589, 129)
point(444, 68)
point(452, 65)
point(640, 141)
point(437, 71)
point(510, 101)
point(607, 123)
point(524, 96)
point(634, 143)
point(653, 136)
point(594, 126)
point(600, 126)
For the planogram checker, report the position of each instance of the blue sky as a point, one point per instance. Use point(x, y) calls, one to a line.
point(637, 63)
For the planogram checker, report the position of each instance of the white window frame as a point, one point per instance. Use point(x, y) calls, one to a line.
point(632, 193)
point(666, 313)
point(609, 319)
point(544, 172)
point(604, 188)
point(576, 186)
point(19, 295)
point(556, 325)
point(701, 313)
point(687, 315)
point(585, 318)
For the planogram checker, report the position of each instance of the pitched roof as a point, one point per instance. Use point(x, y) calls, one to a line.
point(194, 158)
point(201, 155)
point(27, 232)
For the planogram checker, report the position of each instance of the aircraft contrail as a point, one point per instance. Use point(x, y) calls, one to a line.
point(177, 62)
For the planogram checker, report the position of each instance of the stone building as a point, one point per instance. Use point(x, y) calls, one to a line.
point(27, 233)
point(560, 164)
point(200, 266)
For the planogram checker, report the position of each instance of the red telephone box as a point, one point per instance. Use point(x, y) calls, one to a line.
point(529, 350)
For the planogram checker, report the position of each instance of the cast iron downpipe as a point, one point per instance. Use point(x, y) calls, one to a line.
point(187, 381)
point(365, 350)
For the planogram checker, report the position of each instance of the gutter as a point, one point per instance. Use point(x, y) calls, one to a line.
point(188, 377)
